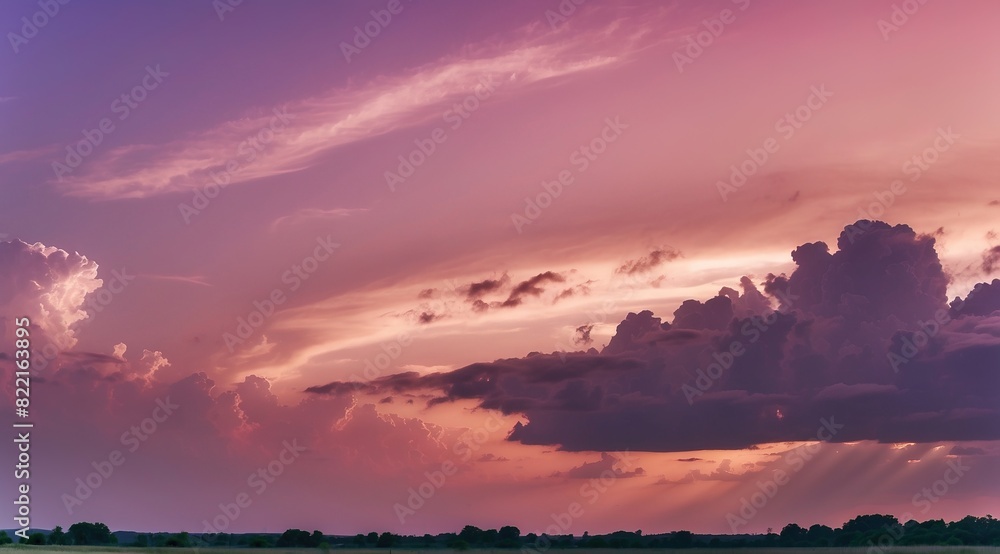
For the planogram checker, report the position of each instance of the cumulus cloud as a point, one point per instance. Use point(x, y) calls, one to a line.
point(49, 286)
point(983, 299)
point(861, 336)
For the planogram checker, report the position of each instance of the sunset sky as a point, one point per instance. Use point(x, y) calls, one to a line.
point(506, 242)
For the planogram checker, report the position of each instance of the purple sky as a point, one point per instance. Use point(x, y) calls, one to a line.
point(506, 242)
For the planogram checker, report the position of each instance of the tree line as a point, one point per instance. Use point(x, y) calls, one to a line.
point(876, 530)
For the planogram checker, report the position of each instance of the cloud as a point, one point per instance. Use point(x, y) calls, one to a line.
point(582, 337)
point(991, 260)
point(428, 317)
point(28, 155)
point(307, 214)
point(732, 372)
point(488, 457)
point(479, 289)
point(723, 472)
point(316, 125)
point(609, 464)
point(47, 285)
point(199, 280)
point(531, 287)
point(476, 295)
point(983, 299)
point(646, 263)
point(966, 451)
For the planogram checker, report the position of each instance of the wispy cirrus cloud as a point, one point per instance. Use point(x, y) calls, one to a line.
point(199, 280)
point(28, 155)
point(346, 115)
point(307, 214)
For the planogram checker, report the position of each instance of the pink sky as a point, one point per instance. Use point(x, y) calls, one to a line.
point(338, 264)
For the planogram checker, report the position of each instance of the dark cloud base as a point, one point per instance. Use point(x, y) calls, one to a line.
point(863, 336)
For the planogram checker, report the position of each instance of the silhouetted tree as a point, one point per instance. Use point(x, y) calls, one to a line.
point(84, 533)
point(792, 535)
point(471, 534)
point(387, 539)
point(509, 537)
point(57, 536)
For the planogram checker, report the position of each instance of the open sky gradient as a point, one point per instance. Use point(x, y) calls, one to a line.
point(504, 241)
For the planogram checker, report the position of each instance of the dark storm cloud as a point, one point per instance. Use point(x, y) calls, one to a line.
point(991, 260)
point(654, 259)
point(863, 344)
point(476, 294)
point(984, 299)
point(531, 287)
point(582, 337)
point(428, 317)
point(583, 289)
point(474, 291)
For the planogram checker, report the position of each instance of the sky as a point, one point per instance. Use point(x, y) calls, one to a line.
point(401, 266)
